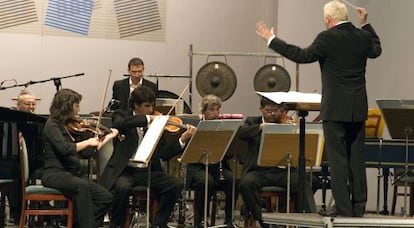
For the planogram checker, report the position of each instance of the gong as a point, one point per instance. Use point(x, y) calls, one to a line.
point(216, 78)
point(272, 78)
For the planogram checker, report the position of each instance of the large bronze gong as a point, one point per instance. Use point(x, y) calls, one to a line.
point(216, 78)
point(272, 78)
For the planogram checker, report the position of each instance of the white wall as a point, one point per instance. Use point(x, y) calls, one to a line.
point(211, 26)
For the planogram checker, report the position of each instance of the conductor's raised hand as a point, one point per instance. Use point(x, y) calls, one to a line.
point(263, 31)
point(362, 15)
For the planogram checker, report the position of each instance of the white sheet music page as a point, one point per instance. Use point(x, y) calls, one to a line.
point(292, 97)
point(150, 140)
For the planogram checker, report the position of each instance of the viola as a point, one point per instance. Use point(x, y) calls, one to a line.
point(82, 129)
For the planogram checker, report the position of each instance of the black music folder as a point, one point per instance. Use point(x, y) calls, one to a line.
point(399, 117)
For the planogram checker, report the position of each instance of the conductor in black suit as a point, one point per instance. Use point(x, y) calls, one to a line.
point(122, 89)
point(255, 177)
point(342, 51)
point(120, 176)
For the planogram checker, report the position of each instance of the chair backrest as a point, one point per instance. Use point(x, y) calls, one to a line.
point(24, 161)
point(374, 125)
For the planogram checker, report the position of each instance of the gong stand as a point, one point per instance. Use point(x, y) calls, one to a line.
point(192, 53)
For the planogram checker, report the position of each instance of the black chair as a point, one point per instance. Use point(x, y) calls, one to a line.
point(268, 194)
point(38, 193)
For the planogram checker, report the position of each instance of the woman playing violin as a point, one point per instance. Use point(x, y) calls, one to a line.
point(62, 164)
point(120, 176)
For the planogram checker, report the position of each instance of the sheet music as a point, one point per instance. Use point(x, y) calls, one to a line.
point(150, 140)
point(278, 133)
point(292, 97)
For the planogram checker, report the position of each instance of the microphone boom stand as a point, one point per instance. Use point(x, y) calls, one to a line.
point(56, 81)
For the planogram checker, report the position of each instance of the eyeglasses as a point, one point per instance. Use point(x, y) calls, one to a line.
point(270, 111)
point(136, 72)
point(29, 104)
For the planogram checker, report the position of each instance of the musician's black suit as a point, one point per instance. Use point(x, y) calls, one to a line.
point(217, 179)
point(120, 178)
point(342, 52)
point(121, 91)
point(63, 171)
point(255, 177)
point(196, 180)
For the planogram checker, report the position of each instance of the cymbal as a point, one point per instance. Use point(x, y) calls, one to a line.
point(216, 78)
point(272, 78)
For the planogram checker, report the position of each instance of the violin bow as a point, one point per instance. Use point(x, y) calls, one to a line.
point(176, 101)
point(103, 102)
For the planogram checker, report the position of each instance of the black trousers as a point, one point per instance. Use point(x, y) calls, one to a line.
point(344, 143)
point(214, 182)
point(252, 182)
point(166, 186)
point(91, 200)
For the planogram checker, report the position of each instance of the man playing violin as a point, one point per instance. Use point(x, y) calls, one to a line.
point(255, 177)
point(219, 174)
point(62, 167)
point(120, 176)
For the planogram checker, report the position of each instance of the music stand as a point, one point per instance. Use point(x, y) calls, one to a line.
point(302, 103)
point(203, 149)
point(238, 151)
point(279, 146)
point(398, 115)
point(145, 150)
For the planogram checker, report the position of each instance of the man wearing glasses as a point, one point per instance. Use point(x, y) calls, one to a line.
point(122, 89)
point(255, 177)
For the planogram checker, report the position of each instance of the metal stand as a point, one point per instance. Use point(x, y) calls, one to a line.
point(379, 175)
point(407, 131)
point(288, 161)
point(206, 155)
point(238, 54)
point(148, 195)
point(301, 162)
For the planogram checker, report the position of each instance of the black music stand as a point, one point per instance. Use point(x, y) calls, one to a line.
point(302, 103)
point(398, 115)
point(145, 150)
point(208, 145)
point(238, 151)
point(279, 146)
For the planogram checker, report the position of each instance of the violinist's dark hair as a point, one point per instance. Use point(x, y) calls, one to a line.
point(140, 95)
point(135, 62)
point(265, 101)
point(61, 108)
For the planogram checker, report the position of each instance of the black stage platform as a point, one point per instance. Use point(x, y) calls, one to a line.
point(316, 220)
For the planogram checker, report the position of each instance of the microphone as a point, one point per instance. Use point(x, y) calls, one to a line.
point(113, 104)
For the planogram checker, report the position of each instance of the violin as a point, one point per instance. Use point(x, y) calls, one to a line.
point(174, 124)
point(284, 118)
point(82, 129)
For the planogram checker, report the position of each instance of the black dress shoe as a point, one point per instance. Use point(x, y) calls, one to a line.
point(200, 225)
point(264, 225)
point(331, 213)
point(229, 224)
